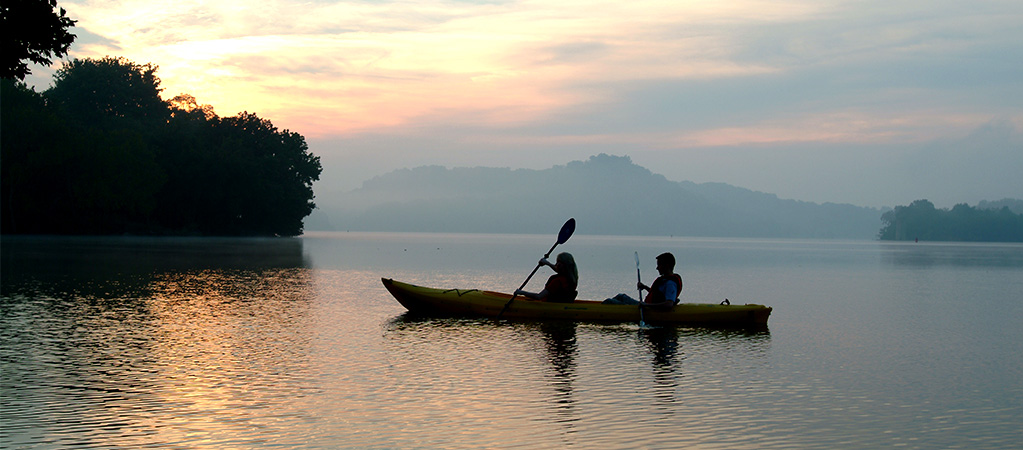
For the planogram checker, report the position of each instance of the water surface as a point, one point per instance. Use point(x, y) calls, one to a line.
point(293, 343)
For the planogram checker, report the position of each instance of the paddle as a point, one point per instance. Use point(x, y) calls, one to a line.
point(640, 291)
point(566, 232)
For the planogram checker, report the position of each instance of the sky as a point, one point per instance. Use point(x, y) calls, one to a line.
point(869, 102)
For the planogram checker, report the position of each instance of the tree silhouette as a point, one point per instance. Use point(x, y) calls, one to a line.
point(32, 32)
point(921, 220)
point(110, 93)
point(101, 153)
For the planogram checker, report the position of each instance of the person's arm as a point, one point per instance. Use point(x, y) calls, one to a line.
point(535, 296)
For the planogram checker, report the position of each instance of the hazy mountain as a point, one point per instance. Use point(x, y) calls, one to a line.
point(606, 194)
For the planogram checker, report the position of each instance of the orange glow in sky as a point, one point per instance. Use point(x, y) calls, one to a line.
point(574, 77)
point(325, 68)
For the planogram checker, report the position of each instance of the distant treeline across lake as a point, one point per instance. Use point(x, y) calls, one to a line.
point(922, 221)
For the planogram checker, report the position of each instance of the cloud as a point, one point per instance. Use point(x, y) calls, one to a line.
point(400, 61)
point(513, 81)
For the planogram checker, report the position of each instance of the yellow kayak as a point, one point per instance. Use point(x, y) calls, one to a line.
point(474, 302)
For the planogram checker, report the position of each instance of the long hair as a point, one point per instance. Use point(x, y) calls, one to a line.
point(570, 269)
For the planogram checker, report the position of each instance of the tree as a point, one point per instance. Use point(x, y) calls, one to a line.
point(921, 220)
point(26, 122)
point(113, 111)
point(264, 177)
point(32, 32)
point(111, 92)
point(61, 177)
point(101, 153)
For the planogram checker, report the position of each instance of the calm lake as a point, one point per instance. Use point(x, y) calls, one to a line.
point(120, 343)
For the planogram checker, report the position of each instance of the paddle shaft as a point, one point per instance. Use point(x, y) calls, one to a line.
point(639, 290)
point(639, 279)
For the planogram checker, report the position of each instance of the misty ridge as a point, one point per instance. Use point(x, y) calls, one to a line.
point(607, 195)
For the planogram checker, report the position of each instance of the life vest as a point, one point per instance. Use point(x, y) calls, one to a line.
point(656, 294)
point(560, 289)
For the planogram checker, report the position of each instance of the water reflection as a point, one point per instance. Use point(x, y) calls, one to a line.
point(113, 267)
point(661, 352)
point(559, 339)
point(961, 254)
point(150, 343)
point(662, 343)
point(547, 352)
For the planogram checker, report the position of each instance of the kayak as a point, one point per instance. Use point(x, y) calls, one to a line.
point(479, 303)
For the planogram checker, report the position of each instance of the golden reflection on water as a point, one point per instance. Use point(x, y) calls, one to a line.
point(107, 343)
point(228, 349)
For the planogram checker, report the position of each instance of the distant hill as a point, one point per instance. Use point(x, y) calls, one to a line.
point(606, 194)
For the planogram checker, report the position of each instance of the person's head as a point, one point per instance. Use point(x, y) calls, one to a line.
point(665, 263)
point(565, 265)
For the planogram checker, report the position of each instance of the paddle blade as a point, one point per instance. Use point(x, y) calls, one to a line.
point(566, 231)
point(637, 259)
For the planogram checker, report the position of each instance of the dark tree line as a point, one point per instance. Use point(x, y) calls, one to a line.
point(101, 153)
point(921, 220)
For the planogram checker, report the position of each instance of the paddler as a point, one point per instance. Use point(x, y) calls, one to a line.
point(667, 287)
point(560, 287)
point(663, 293)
